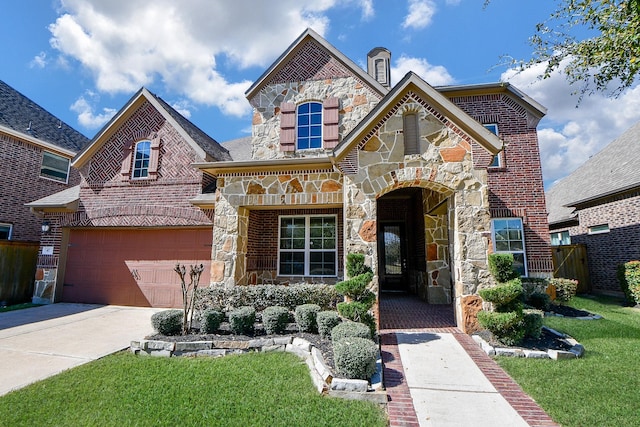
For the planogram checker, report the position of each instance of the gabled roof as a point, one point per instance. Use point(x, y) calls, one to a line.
point(205, 146)
point(412, 82)
point(24, 119)
point(293, 49)
point(615, 169)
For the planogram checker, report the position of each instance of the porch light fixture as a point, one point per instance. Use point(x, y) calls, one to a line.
point(46, 227)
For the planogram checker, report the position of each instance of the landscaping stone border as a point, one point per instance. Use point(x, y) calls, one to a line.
point(576, 350)
point(323, 379)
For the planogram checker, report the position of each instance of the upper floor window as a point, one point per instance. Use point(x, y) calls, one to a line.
point(410, 133)
point(5, 231)
point(54, 167)
point(496, 162)
point(309, 125)
point(141, 160)
point(598, 229)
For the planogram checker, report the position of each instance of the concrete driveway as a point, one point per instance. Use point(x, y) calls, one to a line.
point(39, 342)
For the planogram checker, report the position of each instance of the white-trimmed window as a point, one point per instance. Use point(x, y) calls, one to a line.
point(496, 162)
point(141, 160)
point(309, 125)
point(560, 238)
point(410, 133)
point(599, 229)
point(54, 167)
point(508, 237)
point(307, 245)
point(5, 231)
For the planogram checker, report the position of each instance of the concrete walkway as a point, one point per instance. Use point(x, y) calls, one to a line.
point(437, 376)
point(39, 342)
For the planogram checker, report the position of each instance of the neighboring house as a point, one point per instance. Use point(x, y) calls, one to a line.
point(424, 181)
point(117, 236)
point(598, 205)
point(36, 149)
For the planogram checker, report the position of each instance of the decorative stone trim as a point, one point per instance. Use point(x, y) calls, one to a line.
point(321, 375)
point(576, 350)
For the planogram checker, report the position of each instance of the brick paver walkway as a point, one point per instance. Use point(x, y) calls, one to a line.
point(402, 312)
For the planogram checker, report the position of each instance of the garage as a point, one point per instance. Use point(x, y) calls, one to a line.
point(133, 267)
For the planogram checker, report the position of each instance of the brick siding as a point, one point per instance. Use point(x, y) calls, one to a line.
point(516, 189)
point(21, 183)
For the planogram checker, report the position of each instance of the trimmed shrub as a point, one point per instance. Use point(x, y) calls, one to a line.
point(356, 265)
point(326, 321)
point(539, 300)
point(167, 322)
point(565, 288)
point(275, 319)
point(305, 316)
point(356, 288)
point(242, 320)
point(502, 294)
point(531, 285)
point(629, 278)
point(501, 267)
point(533, 323)
point(210, 320)
point(358, 312)
point(350, 329)
point(507, 327)
point(355, 357)
point(263, 296)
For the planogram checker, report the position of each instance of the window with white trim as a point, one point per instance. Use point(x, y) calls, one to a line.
point(54, 167)
point(5, 231)
point(410, 133)
point(307, 245)
point(141, 159)
point(560, 238)
point(599, 229)
point(507, 235)
point(496, 162)
point(309, 125)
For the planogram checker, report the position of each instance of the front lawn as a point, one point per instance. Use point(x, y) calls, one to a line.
point(258, 389)
point(599, 389)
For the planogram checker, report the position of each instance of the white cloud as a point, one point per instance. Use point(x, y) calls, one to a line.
point(39, 61)
point(571, 132)
point(84, 107)
point(420, 14)
point(126, 44)
point(435, 75)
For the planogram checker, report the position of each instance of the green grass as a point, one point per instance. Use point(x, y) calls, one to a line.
point(599, 389)
point(18, 307)
point(258, 389)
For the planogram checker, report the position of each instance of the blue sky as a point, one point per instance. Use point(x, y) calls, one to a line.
point(83, 59)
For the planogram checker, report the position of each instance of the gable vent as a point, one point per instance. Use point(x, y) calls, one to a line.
point(379, 65)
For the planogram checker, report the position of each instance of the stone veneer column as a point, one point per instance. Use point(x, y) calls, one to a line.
point(229, 246)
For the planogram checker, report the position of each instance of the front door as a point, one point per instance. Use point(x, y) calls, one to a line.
point(393, 265)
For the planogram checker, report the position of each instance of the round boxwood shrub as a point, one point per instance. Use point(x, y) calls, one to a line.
point(355, 357)
point(539, 300)
point(533, 323)
point(242, 320)
point(167, 322)
point(350, 329)
point(275, 319)
point(305, 315)
point(507, 327)
point(210, 320)
point(326, 321)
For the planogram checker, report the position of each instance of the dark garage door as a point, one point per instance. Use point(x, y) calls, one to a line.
point(133, 267)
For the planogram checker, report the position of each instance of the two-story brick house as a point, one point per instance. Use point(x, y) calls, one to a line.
point(424, 181)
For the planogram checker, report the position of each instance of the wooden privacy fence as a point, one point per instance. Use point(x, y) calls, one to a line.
point(17, 271)
point(570, 262)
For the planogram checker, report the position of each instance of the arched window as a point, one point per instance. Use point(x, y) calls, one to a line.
point(141, 159)
point(410, 132)
point(309, 125)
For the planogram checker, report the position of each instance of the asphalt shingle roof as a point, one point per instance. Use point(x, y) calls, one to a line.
point(19, 113)
point(615, 168)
